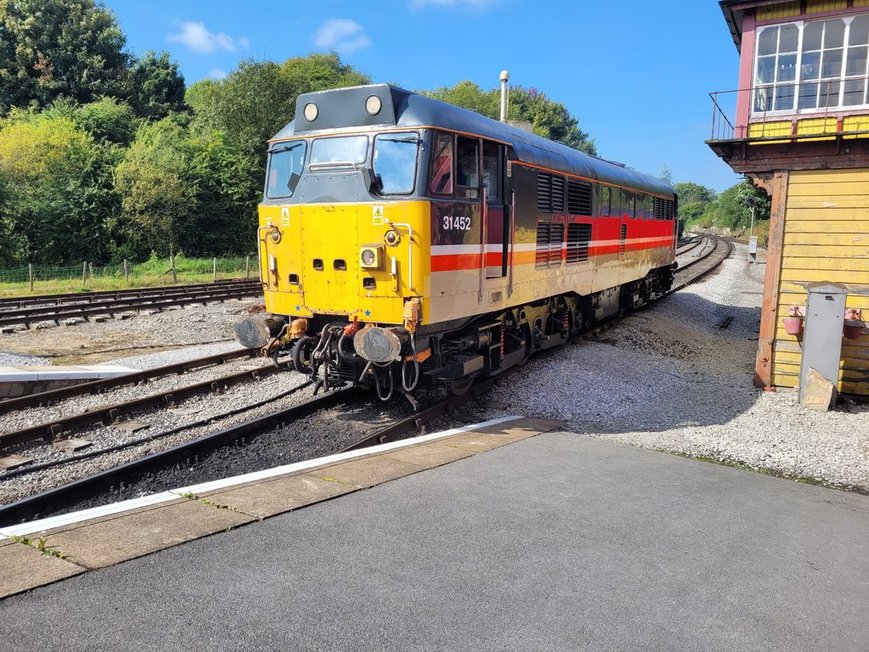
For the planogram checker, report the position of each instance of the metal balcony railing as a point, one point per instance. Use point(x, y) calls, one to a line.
point(759, 101)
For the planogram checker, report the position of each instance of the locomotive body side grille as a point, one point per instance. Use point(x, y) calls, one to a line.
point(578, 239)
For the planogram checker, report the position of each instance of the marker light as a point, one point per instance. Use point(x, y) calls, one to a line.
point(369, 257)
point(392, 238)
point(373, 105)
point(311, 112)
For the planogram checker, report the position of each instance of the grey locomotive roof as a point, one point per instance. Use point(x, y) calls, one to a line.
point(415, 110)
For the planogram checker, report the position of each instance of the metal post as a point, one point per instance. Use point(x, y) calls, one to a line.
point(84, 274)
point(505, 77)
point(214, 267)
point(30, 274)
point(126, 272)
point(247, 266)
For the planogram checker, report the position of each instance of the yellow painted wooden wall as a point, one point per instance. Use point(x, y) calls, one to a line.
point(826, 238)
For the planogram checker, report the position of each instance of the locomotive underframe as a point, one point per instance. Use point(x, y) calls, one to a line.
point(448, 357)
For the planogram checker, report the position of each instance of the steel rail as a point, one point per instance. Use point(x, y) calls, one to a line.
point(59, 498)
point(88, 297)
point(124, 306)
point(111, 302)
point(101, 385)
point(110, 414)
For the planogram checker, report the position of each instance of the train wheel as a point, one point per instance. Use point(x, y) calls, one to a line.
point(526, 335)
point(301, 354)
point(460, 387)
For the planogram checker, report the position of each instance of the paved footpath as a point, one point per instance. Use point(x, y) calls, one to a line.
point(557, 542)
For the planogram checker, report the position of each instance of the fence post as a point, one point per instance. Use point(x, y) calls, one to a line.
point(91, 272)
point(126, 272)
point(30, 275)
point(214, 267)
point(174, 271)
point(84, 274)
point(247, 266)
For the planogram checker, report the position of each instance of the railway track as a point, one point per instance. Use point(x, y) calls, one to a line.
point(15, 303)
point(105, 384)
point(191, 453)
point(14, 313)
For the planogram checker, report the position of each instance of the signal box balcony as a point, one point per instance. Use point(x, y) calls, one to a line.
point(762, 128)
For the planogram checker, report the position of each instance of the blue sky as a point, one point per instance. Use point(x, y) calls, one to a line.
point(637, 74)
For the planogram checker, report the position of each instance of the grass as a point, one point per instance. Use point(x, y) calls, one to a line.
point(152, 272)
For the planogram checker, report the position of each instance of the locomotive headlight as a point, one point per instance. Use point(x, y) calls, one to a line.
point(373, 105)
point(311, 111)
point(392, 238)
point(276, 236)
point(370, 257)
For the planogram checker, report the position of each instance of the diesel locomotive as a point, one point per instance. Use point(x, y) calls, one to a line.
point(407, 243)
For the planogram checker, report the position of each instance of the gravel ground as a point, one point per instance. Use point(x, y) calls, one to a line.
point(77, 404)
point(18, 360)
point(670, 378)
point(97, 342)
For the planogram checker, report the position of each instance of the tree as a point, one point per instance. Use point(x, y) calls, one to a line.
point(58, 182)
point(258, 98)
point(155, 87)
point(690, 192)
point(8, 241)
point(228, 187)
point(694, 200)
point(109, 121)
point(548, 118)
point(158, 200)
point(666, 175)
point(58, 48)
point(732, 208)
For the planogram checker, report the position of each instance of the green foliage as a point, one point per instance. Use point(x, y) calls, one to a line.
point(256, 100)
point(185, 190)
point(55, 48)
point(58, 186)
point(157, 196)
point(229, 184)
point(548, 118)
point(690, 193)
point(155, 87)
point(732, 208)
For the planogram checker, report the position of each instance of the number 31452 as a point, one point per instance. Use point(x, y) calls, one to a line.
point(456, 223)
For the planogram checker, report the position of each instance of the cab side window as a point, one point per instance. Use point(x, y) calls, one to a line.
point(491, 171)
point(442, 165)
point(468, 168)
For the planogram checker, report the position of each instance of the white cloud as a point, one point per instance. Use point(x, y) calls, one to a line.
point(342, 35)
point(216, 73)
point(464, 4)
point(196, 37)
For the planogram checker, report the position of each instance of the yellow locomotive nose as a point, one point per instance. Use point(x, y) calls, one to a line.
point(348, 260)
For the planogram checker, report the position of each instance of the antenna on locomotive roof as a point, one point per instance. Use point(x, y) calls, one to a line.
point(505, 77)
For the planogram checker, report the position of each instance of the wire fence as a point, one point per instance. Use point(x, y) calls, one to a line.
point(126, 274)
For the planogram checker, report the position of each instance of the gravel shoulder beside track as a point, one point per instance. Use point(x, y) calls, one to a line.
point(669, 378)
point(97, 342)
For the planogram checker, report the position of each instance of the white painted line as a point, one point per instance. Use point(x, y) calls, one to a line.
point(173, 494)
point(331, 459)
point(87, 514)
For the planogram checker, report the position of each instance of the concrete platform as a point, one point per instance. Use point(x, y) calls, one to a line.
point(108, 535)
point(554, 542)
point(22, 381)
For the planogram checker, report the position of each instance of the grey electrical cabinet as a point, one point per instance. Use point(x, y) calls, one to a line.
point(822, 340)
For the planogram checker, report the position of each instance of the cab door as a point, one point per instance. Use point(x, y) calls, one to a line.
point(497, 218)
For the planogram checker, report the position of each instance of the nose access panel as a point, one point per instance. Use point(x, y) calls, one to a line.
point(329, 251)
